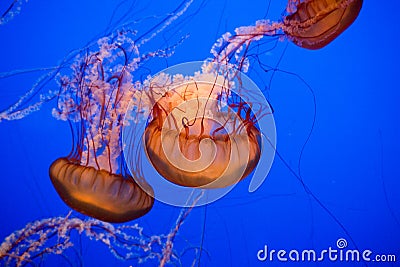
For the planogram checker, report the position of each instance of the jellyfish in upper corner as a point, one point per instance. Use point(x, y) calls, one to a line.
point(310, 24)
point(313, 24)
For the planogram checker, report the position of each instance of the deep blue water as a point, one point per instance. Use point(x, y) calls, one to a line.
point(350, 163)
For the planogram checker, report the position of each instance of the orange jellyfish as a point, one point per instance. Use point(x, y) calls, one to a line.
point(93, 179)
point(200, 133)
point(188, 143)
point(200, 128)
point(313, 24)
point(310, 24)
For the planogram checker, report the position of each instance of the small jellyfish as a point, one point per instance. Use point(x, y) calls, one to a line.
point(313, 24)
point(310, 24)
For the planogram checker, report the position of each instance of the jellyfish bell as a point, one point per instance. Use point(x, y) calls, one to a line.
point(193, 141)
point(313, 24)
point(99, 193)
point(199, 128)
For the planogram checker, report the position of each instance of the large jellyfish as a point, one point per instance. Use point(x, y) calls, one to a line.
point(189, 142)
point(192, 141)
point(205, 126)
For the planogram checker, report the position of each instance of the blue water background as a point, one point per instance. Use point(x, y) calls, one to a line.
point(351, 162)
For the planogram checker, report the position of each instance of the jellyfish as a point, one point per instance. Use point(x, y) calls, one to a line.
point(203, 128)
point(93, 179)
point(313, 24)
point(310, 24)
point(193, 140)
